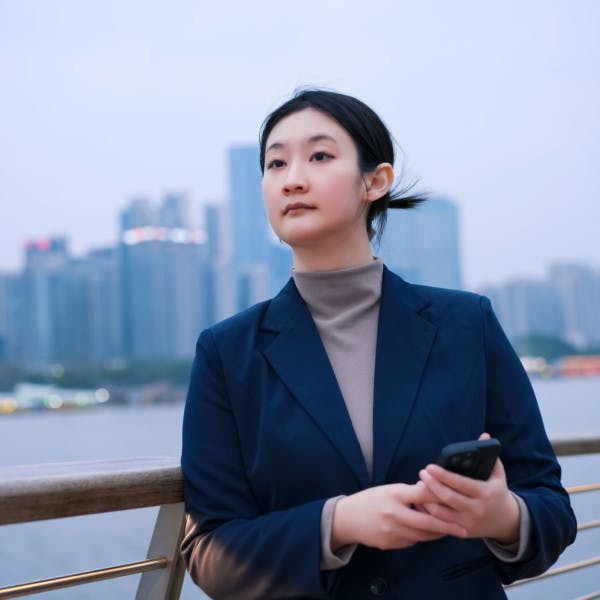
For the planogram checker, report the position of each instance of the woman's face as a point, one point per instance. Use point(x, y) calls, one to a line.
point(312, 185)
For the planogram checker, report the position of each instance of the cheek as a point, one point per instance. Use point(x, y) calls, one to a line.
point(345, 189)
point(271, 200)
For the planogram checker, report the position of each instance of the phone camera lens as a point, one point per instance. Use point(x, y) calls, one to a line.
point(467, 463)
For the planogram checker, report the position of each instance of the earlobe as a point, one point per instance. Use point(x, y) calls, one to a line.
point(380, 181)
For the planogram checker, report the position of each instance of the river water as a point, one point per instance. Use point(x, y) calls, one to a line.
point(50, 548)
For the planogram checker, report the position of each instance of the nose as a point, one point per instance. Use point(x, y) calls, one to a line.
point(295, 180)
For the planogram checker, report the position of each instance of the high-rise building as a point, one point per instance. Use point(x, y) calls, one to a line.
point(175, 211)
point(5, 286)
point(579, 289)
point(107, 311)
point(163, 282)
point(527, 307)
point(139, 213)
point(15, 318)
point(71, 314)
point(280, 266)
point(261, 264)
point(422, 244)
point(86, 310)
point(43, 258)
point(250, 227)
point(220, 286)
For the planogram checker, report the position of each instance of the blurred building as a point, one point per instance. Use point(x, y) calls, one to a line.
point(5, 286)
point(422, 244)
point(221, 279)
point(527, 307)
point(34, 330)
point(163, 265)
point(261, 264)
point(280, 265)
point(86, 310)
point(579, 289)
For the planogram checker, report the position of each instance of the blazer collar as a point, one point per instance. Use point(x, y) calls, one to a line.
point(299, 358)
point(404, 341)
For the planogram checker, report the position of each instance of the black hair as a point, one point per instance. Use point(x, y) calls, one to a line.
point(371, 137)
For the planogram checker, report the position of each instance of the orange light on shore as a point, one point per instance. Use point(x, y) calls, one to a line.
point(573, 366)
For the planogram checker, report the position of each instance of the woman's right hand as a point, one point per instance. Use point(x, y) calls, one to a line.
point(384, 517)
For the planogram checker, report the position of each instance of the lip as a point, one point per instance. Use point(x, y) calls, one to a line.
point(296, 206)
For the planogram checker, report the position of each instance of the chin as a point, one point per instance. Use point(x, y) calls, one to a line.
point(295, 233)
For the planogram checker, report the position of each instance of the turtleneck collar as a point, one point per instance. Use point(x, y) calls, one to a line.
point(330, 293)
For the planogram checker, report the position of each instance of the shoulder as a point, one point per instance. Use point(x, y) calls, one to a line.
point(244, 330)
point(434, 301)
point(230, 332)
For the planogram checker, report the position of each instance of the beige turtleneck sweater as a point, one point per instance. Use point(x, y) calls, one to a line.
point(344, 305)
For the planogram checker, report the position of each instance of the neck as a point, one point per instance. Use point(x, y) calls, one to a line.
point(332, 256)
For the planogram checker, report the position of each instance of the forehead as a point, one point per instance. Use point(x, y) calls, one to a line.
point(303, 125)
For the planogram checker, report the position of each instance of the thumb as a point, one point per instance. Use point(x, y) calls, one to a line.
point(498, 470)
point(485, 436)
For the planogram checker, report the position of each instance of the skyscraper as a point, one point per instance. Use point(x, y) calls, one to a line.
point(579, 289)
point(43, 258)
point(221, 280)
point(86, 309)
point(527, 307)
point(249, 220)
point(262, 265)
point(250, 227)
point(163, 282)
point(422, 244)
point(5, 280)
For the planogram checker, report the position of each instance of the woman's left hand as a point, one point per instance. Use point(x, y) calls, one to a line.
point(483, 508)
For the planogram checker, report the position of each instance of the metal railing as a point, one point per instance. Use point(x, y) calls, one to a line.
point(573, 447)
point(50, 491)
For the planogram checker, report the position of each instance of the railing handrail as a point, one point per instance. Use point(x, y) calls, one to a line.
point(54, 490)
point(569, 446)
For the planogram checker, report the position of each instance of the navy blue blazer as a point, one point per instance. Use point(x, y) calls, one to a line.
point(267, 440)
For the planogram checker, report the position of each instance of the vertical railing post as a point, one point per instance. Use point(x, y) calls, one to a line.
point(165, 584)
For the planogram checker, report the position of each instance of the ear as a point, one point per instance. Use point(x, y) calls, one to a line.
point(379, 181)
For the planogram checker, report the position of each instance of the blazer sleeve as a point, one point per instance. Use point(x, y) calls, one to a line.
point(232, 551)
point(531, 467)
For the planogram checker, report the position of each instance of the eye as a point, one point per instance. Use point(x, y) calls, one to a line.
point(320, 156)
point(276, 163)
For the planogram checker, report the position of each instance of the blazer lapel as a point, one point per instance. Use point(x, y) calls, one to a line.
point(299, 358)
point(404, 340)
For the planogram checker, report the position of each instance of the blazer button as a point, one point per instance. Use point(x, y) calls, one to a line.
point(378, 586)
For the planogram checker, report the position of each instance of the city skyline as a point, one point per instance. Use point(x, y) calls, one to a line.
point(198, 219)
point(199, 214)
point(164, 280)
point(494, 104)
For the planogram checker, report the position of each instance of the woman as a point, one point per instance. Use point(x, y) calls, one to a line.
point(313, 419)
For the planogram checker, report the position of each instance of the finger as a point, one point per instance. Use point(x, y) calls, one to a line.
point(425, 522)
point(467, 486)
point(417, 535)
point(446, 495)
point(444, 513)
point(485, 436)
point(411, 495)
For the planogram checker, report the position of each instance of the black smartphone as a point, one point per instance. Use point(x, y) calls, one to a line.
point(474, 458)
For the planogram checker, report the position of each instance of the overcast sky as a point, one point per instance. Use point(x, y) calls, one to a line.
point(496, 104)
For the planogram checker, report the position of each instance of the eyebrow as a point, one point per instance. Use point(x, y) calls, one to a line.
point(319, 137)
